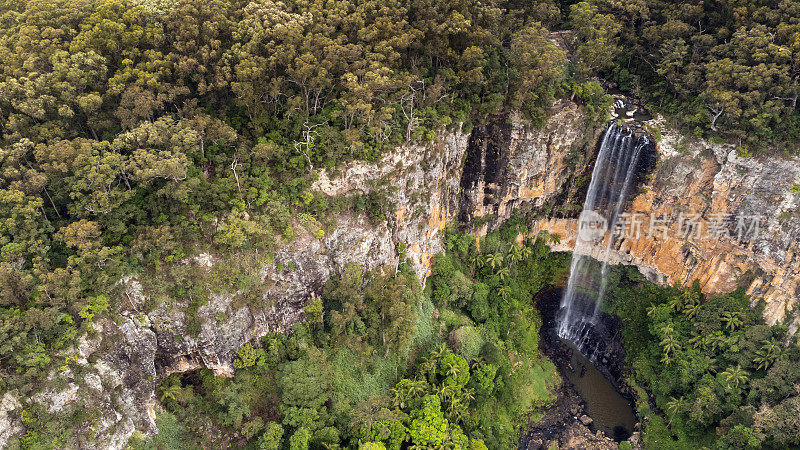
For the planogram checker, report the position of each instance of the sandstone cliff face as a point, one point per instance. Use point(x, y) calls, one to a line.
point(119, 367)
point(512, 167)
point(481, 177)
point(739, 226)
point(423, 188)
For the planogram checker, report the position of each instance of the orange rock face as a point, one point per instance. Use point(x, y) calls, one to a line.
point(502, 168)
point(710, 200)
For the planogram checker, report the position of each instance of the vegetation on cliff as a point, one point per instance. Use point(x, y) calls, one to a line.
point(135, 134)
point(718, 376)
point(380, 364)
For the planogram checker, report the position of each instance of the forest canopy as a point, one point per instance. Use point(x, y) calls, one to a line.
point(727, 67)
point(135, 134)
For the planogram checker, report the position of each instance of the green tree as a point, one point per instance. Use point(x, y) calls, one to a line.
point(271, 438)
point(300, 439)
point(598, 36)
point(428, 425)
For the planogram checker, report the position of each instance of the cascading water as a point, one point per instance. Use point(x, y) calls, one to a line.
point(615, 170)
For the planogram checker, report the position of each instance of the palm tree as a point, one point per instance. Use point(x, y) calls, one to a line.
point(545, 235)
point(732, 320)
point(504, 291)
point(503, 272)
point(456, 410)
point(767, 354)
point(691, 310)
point(676, 303)
point(480, 260)
point(398, 398)
point(669, 344)
point(516, 254)
point(440, 351)
point(674, 405)
point(668, 330)
point(454, 370)
point(734, 376)
point(555, 238)
point(668, 341)
point(494, 259)
point(717, 340)
point(446, 393)
point(407, 392)
point(467, 395)
point(417, 388)
point(691, 297)
point(170, 392)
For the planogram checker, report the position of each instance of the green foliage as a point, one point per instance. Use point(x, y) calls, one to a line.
point(598, 35)
point(381, 367)
point(468, 341)
point(428, 425)
point(727, 70)
point(300, 439)
point(247, 356)
point(171, 434)
point(711, 365)
point(139, 134)
point(303, 383)
point(271, 438)
point(454, 369)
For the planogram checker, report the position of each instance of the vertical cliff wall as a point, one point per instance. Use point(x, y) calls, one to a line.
point(718, 218)
point(480, 179)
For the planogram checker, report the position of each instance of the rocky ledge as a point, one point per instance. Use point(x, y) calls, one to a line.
point(479, 178)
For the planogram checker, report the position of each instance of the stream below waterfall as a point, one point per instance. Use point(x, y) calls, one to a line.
point(611, 411)
point(581, 339)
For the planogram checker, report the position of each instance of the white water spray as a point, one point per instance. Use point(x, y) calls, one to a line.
point(612, 176)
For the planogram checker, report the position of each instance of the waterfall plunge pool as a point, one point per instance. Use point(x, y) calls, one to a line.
point(610, 411)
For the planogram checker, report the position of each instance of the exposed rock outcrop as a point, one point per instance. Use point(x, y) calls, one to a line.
point(723, 220)
point(512, 167)
point(121, 364)
point(481, 177)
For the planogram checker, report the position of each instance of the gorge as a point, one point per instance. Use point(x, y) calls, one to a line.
point(485, 177)
point(415, 224)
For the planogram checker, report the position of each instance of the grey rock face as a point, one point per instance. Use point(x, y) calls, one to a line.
point(487, 174)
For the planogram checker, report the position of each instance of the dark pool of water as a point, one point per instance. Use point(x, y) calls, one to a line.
point(611, 412)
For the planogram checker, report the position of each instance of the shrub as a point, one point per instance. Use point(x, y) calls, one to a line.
point(468, 342)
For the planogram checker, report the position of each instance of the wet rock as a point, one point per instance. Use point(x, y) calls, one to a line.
point(578, 436)
point(636, 440)
point(496, 170)
point(697, 177)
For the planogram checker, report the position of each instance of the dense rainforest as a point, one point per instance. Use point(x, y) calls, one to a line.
point(135, 134)
point(386, 365)
point(718, 375)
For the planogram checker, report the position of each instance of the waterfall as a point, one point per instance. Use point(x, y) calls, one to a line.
point(612, 176)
